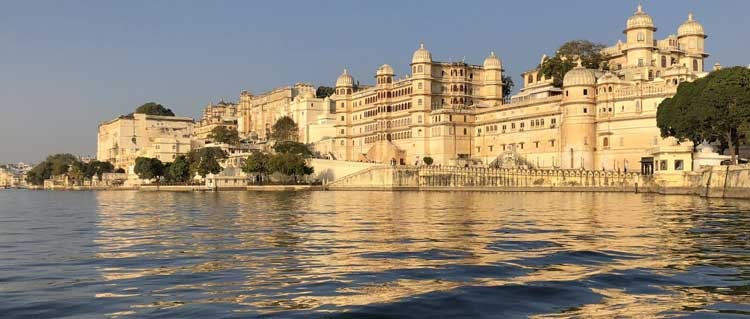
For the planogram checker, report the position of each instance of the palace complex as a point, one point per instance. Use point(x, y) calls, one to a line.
point(454, 111)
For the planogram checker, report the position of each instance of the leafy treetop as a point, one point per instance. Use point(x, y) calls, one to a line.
point(224, 135)
point(715, 108)
point(567, 56)
point(152, 108)
point(285, 129)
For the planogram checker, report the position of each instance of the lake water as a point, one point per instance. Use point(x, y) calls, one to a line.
point(371, 255)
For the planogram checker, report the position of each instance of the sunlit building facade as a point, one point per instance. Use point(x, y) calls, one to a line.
point(454, 112)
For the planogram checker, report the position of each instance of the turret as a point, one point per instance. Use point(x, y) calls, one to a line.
point(344, 84)
point(639, 30)
point(493, 80)
point(578, 127)
point(384, 75)
point(691, 38)
point(421, 66)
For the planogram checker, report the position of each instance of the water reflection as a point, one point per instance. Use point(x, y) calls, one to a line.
point(409, 254)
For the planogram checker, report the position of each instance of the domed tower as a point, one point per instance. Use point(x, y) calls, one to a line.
point(342, 98)
point(344, 84)
point(493, 80)
point(691, 37)
point(578, 129)
point(639, 30)
point(421, 66)
point(384, 75)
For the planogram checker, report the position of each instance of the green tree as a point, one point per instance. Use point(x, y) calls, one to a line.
point(293, 148)
point(152, 108)
point(204, 161)
point(179, 170)
point(224, 135)
point(97, 168)
point(565, 59)
point(427, 160)
point(507, 85)
point(285, 130)
point(76, 172)
point(53, 165)
point(324, 91)
point(257, 163)
point(120, 170)
point(713, 108)
point(289, 164)
point(148, 168)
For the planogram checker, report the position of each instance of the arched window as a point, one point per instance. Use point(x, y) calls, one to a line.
point(695, 65)
point(419, 101)
point(419, 85)
point(530, 79)
point(663, 61)
point(414, 69)
point(641, 37)
point(419, 69)
point(585, 92)
point(348, 91)
point(605, 142)
point(539, 76)
point(610, 89)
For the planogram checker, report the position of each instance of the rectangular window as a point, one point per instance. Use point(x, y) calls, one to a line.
point(678, 165)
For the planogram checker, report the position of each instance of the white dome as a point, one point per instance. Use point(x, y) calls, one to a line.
point(690, 27)
point(421, 55)
point(345, 79)
point(385, 69)
point(492, 62)
point(640, 20)
point(579, 76)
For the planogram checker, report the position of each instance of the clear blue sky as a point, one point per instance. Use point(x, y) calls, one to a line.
point(65, 66)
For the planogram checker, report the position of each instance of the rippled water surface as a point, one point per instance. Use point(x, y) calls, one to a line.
point(371, 255)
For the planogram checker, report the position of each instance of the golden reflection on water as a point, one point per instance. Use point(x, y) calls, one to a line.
point(273, 249)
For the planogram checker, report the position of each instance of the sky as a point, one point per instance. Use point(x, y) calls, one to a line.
point(66, 66)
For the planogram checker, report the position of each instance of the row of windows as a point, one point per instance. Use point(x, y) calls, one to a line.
point(530, 78)
point(386, 137)
point(439, 118)
point(532, 123)
point(384, 79)
point(343, 91)
point(382, 109)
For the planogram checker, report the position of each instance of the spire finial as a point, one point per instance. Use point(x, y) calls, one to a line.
point(346, 71)
point(580, 63)
point(492, 53)
point(640, 8)
point(690, 16)
point(421, 44)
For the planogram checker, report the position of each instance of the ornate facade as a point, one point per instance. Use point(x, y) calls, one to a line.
point(214, 115)
point(258, 113)
point(454, 112)
point(122, 140)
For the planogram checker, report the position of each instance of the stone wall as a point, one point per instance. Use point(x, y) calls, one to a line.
point(331, 170)
point(436, 178)
point(722, 181)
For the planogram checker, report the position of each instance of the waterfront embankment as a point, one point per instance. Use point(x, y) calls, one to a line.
point(718, 181)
